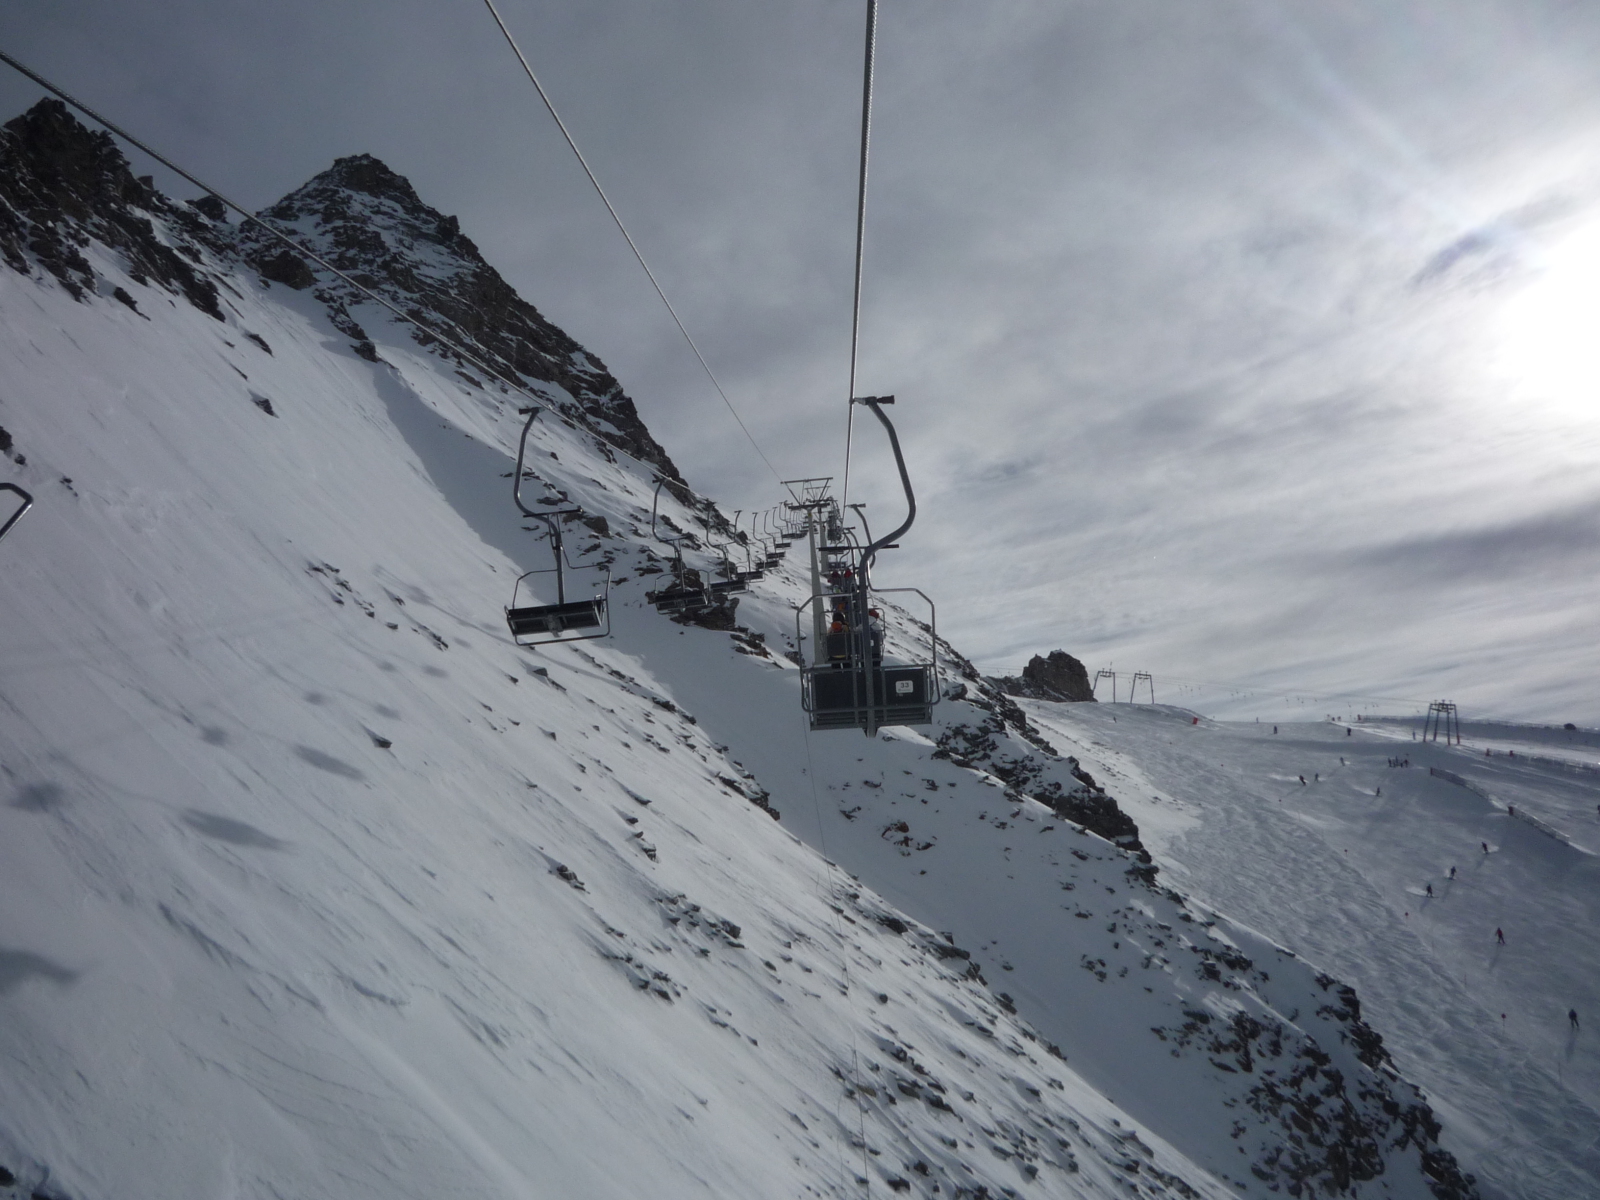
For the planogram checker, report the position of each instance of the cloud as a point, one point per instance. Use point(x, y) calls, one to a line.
point(1145, 279)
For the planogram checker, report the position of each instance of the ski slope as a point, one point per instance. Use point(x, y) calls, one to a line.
point(1340, 872)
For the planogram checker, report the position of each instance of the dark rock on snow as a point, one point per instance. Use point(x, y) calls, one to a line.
point(1058, 677)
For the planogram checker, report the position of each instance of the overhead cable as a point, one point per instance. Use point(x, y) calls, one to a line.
point(861, 238)
point(610, 208)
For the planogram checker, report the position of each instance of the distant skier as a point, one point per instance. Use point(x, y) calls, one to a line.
point(1274, 729)
point(1378, 792)
point(1499, 936)
point(1452, 872)
point(1316, 777)
point(1485, 846)
point(1302, 781)
point(1511, 810)
point(1430, 889)
point(1572, 1017)
point(1348, 732)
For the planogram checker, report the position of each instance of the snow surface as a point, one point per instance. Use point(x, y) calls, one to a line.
point(1341, 873)
point(311, 883)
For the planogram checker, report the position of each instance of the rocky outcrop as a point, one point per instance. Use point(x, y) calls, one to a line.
point(1056, 677)
point(368, 221)
point(999, 738)
point(63, 187)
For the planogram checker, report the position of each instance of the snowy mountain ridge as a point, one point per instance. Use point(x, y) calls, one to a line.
point(311, 876)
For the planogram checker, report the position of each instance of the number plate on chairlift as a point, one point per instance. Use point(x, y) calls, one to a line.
point(904, 687)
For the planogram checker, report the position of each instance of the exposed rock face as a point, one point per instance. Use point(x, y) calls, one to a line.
point(1057, 677)
point(370, 223)
point(1010, 747)
point(62, 187)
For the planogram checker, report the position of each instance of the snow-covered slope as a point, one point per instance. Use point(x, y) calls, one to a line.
point(312, 883)
point(1393, 865)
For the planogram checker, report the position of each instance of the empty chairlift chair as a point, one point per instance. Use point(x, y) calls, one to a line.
point(686, 591)
point(565, 620)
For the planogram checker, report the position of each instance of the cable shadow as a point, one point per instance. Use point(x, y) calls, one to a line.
point(39, 797)
point(226, 829)
point(18, 966)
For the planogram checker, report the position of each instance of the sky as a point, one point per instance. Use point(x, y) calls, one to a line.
point(1243, 342)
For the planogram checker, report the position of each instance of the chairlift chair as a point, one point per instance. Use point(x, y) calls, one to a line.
point(543, 624)
point(682, 595)
point(733, 579)
point(854, 687)
point(27, 503)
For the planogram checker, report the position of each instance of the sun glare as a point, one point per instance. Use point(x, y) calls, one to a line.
point(1550, 330)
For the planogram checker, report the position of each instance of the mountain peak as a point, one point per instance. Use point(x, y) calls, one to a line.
point(368, 220)
point(365, 173)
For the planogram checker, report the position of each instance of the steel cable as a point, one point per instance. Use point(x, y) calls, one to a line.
point(861, 236)
point(610, 208)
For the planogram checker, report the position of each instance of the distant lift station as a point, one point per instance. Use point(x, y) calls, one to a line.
point(542, 624)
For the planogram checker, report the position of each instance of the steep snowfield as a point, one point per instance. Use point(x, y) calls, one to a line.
point(311, 883)
point(1342, 873)
point(522, 949)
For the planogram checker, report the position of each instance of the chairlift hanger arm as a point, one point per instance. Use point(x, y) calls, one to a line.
point(876, 403)
point(860, 510)
point(516, 476)
point(27, 503)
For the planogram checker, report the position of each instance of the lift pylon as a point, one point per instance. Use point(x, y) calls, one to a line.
point(1133, 688)
point(1104, 674)
point(1442, 716)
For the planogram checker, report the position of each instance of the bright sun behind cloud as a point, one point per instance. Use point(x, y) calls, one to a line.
point(1549, 343)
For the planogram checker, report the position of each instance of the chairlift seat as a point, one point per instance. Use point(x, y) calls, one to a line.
point(677, 599)
point(723, 587)
point(555, 618)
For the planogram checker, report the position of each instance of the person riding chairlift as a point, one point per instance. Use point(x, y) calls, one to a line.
point(838, 644)
point(875, 634)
